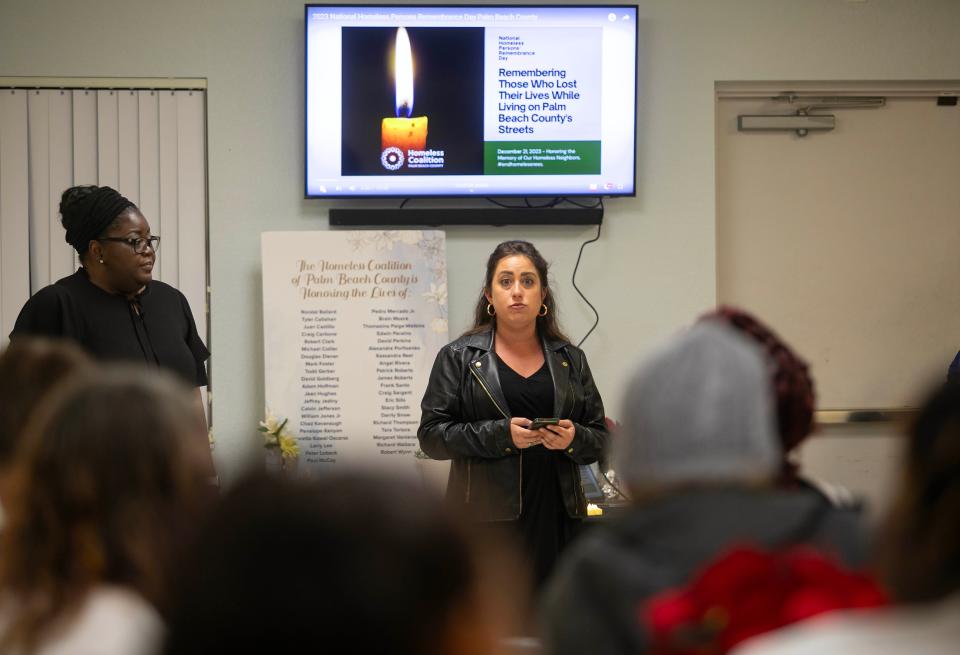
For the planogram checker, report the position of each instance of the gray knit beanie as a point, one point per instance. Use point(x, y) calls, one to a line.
point(699, 410)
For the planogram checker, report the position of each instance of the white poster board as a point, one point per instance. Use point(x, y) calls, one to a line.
point(352, 322)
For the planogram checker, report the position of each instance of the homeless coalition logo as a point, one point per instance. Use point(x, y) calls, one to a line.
point(393, 158)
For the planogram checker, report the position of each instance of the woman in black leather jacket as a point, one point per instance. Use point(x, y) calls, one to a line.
point(488, 386)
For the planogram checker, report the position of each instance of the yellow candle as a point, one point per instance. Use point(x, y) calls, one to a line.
point(404, 133)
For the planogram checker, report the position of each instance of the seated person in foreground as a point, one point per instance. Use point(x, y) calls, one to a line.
point(351, 563)
point(29, 368)
point(107, 476)
point(919, 557)
point(699, 453)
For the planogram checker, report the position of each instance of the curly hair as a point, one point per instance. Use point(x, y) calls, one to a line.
point(793, 386)
point(108, 474)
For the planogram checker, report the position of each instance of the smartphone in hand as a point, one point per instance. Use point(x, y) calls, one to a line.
point(538, 423)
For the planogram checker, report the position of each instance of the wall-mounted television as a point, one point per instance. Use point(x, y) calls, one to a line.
point(470, 100)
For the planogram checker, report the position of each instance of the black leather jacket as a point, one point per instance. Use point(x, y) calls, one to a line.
point(465, 417)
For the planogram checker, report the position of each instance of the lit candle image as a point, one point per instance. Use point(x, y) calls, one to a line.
point(403, 132)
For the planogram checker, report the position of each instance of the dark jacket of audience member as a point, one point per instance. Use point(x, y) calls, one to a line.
point(107, 477)
point(700, 454)
point(355, 563)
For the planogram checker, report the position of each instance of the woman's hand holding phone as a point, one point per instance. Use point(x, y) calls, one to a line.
point(522, 436)
point(558, 436)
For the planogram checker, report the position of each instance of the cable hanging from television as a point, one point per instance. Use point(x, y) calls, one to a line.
point(573, 278)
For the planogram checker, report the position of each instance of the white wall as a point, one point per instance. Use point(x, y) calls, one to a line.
point(654, 268)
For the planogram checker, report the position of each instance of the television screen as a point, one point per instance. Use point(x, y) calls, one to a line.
point(470, 100)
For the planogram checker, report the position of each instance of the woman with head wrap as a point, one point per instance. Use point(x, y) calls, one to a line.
point(112, 307)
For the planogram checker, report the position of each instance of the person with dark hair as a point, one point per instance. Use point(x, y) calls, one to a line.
point(795, 398)
point(111, 306)
point(699, 453)
point(919, 555)
point(352, 562)
point(108, 478)
point(29, 369)
point(485, 390)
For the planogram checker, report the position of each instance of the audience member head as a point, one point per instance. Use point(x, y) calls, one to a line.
point(372, 564)
point(920, 550)
point(29, 368)
point(793, 388)
point(107, 476)
point(698, 411)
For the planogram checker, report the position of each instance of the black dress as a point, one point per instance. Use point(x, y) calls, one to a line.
point(156, 327)
point(545, 527)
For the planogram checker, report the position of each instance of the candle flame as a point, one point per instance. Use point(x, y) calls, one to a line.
point(403, 73)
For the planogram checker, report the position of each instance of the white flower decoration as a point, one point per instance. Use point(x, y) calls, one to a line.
point(437, 293)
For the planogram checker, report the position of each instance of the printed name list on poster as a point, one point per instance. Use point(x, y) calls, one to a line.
point(352, 323)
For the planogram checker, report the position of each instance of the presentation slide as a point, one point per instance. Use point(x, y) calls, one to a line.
point(455, 100)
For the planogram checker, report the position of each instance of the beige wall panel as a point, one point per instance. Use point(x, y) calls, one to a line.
point(846, 241)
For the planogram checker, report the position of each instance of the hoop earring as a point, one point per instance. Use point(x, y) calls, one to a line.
point(544, 310)
point(490, 310)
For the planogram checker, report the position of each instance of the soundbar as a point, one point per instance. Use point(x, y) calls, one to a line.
point(434, 217)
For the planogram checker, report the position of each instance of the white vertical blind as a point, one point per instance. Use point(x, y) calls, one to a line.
point(63, 259)
point(41, 234)
point(149, 140)
point(14, 203)
point(191, 203)
point(128, 144)
point(108, 139)
point(148, 144)
point(84, 137)
point(167, 124)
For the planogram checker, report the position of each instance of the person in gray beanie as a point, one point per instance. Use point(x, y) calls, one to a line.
point(699, 453)
point(698, 411)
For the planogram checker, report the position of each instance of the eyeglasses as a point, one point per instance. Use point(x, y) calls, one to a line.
point(139, 245)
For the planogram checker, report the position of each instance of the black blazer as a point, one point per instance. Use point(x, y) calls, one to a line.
point(465, 417)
